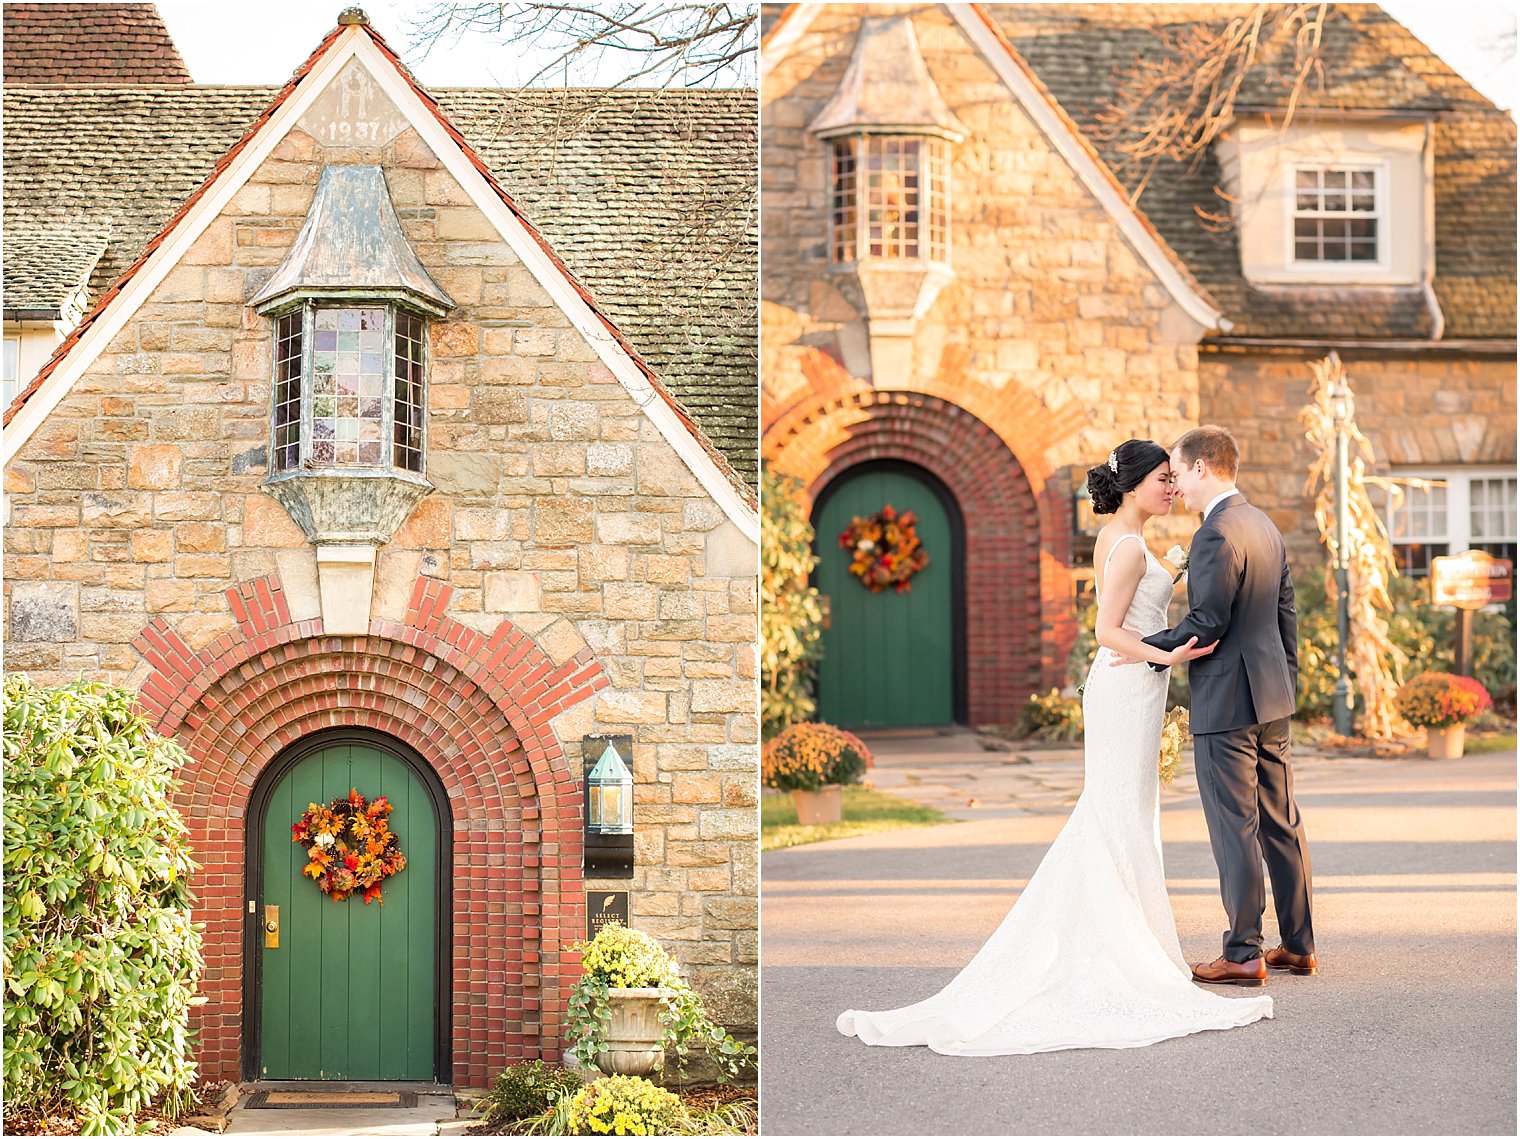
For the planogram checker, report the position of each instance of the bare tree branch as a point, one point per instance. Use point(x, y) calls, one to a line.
point(658, 44)
point(1173, 103)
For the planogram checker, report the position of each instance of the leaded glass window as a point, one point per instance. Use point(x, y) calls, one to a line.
point(890, 198)
point(349, 387)
point(287, 392)
point(1335, 214)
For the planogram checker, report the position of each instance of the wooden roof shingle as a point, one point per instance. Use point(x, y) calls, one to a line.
point(90, 45)
point(647, 196)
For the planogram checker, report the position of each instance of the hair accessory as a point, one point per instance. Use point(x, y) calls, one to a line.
point(1113, 461)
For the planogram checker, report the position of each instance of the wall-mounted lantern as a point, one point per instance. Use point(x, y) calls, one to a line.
point(609, 807)
point(610, 787)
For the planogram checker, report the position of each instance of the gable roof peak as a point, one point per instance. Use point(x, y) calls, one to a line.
point(354, 15)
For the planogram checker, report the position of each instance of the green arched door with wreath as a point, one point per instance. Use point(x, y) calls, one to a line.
point(350, 991)
point(889, 658)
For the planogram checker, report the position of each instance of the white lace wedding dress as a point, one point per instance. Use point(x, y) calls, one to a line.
point(1088, 957)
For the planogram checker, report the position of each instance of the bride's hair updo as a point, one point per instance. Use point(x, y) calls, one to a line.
point(1124, 470)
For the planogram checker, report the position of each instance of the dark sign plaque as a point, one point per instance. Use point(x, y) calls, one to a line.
point(604, 907)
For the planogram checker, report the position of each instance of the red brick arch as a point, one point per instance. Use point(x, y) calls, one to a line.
point(477, 708)
point(1018, 590)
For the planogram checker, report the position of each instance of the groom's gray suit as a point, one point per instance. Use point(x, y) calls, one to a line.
point(1241, 595)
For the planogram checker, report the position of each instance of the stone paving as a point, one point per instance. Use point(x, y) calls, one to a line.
point(435, 1114)
point(1409, 1029)
point(971, 777)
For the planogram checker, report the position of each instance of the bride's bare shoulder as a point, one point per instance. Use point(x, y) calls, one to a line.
point(1108, 536)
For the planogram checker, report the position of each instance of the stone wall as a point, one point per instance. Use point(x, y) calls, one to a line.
point(1448, 409)
point(559, 507)
point(1053, 333)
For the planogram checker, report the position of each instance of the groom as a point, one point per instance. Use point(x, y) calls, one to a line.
point(1240, 595)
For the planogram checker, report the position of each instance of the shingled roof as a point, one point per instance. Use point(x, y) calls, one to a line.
point(1370, 63)
point(647, 196)
point(90, 44)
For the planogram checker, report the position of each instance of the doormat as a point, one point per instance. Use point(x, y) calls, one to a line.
point(311, 1101)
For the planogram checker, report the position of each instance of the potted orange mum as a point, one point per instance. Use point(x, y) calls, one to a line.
point(813, 762)
point(1442, 703)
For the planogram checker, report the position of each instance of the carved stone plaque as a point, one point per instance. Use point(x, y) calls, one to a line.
point(353, 111)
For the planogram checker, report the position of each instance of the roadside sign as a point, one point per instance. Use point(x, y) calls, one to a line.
point(1471, 580)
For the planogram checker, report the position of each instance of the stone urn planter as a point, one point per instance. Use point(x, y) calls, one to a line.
point(1445, 743)
point(635, 1035)
point(816, 808)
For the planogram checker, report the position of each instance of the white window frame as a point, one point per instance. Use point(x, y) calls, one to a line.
point(12, 371)
point(1458, 536)
point(1339, 270)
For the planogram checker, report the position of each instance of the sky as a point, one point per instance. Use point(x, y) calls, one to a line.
point(272, 45)
point(268, 48)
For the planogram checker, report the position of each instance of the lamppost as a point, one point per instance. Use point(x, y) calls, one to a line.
point(1341, 407)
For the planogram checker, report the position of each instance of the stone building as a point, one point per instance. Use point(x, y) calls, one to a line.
point(398, 443)
point(964, 306)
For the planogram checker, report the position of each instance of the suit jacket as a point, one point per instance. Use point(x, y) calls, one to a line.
point(1241, 595)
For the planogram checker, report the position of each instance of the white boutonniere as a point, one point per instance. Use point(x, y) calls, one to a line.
point(1179, 558)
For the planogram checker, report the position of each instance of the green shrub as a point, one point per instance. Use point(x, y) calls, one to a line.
point(526, 1090)
point(101, 959)
point(1425, 633)
point(791, 611)
point(1052, 717)
point(623, 958)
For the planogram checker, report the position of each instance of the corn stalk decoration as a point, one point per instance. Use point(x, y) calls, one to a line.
point(1371, 656)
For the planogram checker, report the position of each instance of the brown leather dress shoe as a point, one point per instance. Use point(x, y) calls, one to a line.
point(1304, 964)
point(1221, 971)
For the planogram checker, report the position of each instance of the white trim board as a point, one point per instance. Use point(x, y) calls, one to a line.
point(351, 43)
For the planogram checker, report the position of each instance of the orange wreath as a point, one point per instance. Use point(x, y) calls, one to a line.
point(886, 548)
point(350, 846)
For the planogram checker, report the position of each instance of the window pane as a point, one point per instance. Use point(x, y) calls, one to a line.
point(1415, 559)
point(843, 203)
point(1327, 214)
point(1493, 509)
point(287, 392)
point(346, 361)
point(407, 380)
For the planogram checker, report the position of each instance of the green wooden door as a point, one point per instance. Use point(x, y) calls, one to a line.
point(349, 992)
point(888, 656)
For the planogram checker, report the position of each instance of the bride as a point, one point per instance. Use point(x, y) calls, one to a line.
point(1088, 956)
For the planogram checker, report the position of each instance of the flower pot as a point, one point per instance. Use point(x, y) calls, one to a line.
point(815, 808)
point(634, 1037)
point(1445, 743)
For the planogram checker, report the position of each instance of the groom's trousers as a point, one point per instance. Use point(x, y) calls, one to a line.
point(1246, 786)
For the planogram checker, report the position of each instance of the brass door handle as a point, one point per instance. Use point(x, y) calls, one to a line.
point(271, 927)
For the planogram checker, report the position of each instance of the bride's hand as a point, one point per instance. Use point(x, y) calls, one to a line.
point(1184, 653)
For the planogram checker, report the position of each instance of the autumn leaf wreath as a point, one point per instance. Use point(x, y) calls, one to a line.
point(349, 846)
point(886, 549)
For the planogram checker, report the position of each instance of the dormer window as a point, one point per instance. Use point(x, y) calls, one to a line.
point(890, 198)
point(1335, 214)
point(350, 305)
